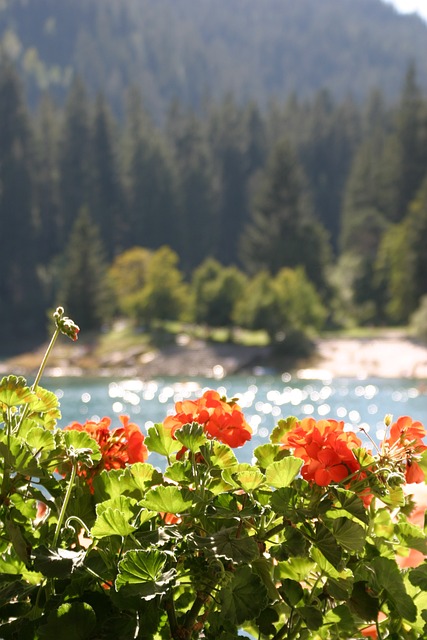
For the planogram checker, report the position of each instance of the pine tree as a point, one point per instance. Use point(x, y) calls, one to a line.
point(283, 230)
point(83, 289)
point(197, 202)
point(74, 159)
point(20, 296)
point(105, 189)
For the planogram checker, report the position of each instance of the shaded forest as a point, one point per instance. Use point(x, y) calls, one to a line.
point(198, 51)
point(331, 190)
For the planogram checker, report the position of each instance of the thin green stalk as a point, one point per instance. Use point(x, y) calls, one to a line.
point(65, 503)
point(39, 375)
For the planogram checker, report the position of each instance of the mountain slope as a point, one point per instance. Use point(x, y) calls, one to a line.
point(192, 49)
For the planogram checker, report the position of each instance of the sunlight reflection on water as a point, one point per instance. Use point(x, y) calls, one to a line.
point(264, 400)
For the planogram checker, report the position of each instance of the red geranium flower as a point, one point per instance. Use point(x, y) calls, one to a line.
point(404, 445)
point(327, 451)
point(220, 419)
point(119, 447)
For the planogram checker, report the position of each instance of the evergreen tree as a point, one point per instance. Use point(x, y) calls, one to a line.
point(74, 159)
point(150, 181)
point(46, 127)
point(197, 204)
point(83, 289)
point(237, 154)
point(283, 230)
point(20, 297)
point(105, 189)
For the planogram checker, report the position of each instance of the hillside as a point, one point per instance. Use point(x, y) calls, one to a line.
point(188, 50)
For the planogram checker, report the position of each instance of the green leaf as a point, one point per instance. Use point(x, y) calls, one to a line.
point(312, 617)
point(220, 455)
point(160, 440)
point(413, 536)
point(296, 568)
point(81, 446)
point(40, 441)
point(14, 392)
point(226, 544)
point(353, 504)
point(362, 603)
point(145, 570)
point(243, 476)
point(181, 471)
point(112, 522)
point(350, 535)
point(46, 401)
point(243, 598)
point(20, 457)
point(59, 563)
point(340, 621)
point(268, 453)
point(327, 544)
point(191, 436)
point(71, 621)
point(112, 483)
point(263, 568)
point(143, 475)
point(418, 577)
point(127, 506)
point(168, 499)
point(291, 591)
point(282, 428)
point(281, 473)
point(389, 579)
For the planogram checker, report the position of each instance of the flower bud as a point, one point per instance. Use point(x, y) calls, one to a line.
point(65, 325)
point(388, 419)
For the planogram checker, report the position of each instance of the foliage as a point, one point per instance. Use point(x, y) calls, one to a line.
point(312, 540)
point(284, 305)
point(418, 321)
point(164, 294)
point(128, 274)
point(181, 49)
point(216, 290)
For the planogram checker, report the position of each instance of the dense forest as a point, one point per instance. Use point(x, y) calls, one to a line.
point(322, 198)
point(197, 51)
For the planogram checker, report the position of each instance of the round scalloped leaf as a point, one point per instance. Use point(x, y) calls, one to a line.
point(160, 440)
point(14, 392)
point(79, 443)
point(112, 522)
point(243, 598)
point(282, 428)
point(144, 569)
point(191, 436)
point(169, 499)
point(281, 473)
point(244, 476)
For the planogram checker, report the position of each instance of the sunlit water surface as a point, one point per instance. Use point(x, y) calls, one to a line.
point(361, 404)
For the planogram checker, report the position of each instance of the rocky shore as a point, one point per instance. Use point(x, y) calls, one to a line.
point(393, 355)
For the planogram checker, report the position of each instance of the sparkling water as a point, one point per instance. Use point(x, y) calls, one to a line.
point(264, 399)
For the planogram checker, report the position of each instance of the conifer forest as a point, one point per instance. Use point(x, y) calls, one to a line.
point(322, 191)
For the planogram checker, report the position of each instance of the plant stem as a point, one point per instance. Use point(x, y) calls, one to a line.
point(39, 374)
point(65, 503)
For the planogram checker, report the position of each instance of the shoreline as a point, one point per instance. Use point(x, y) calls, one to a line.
point(392, 355)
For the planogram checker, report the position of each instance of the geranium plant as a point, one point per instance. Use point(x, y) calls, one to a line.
point(312, 540)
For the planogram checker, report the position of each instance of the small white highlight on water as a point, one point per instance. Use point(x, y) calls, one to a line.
point(372, 409)
point(323, 409)
point(341, 412)
point(117, 407)
point(354, 416)
point(86, 397)
point(263, 432)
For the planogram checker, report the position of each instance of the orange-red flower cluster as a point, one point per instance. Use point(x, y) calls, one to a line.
point(404, 444)
point(327, 450)
point(119, 447)
point(220, 419)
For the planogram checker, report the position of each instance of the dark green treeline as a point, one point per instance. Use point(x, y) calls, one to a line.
point(337, 188)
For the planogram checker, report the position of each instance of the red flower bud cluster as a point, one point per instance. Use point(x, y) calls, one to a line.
point(119, 447)
point(65, 325)
point(220, 419)
point(327, 450)
point(404, 445)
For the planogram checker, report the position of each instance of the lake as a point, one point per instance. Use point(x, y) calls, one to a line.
point(362, 404)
